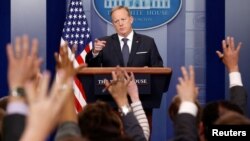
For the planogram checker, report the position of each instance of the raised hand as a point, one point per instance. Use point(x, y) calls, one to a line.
point(230, 54)
point(23, 61)
point(64, 60)
point(45, 106)
point(186, 88)
point(132, 88)
point(118, 86)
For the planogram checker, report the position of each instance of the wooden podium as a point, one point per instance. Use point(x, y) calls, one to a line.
point(152, 83)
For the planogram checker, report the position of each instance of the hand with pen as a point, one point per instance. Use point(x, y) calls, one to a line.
point(118, 86)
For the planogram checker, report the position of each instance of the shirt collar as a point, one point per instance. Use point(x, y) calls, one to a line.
point(129, 37)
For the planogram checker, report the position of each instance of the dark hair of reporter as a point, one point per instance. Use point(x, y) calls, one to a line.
point(2, 114)
point(99, 122)
point(232, 118)
point(213, 110)
point(174, 107)
point(3, 102)
point(73, 138)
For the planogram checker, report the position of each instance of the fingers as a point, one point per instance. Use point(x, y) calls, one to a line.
point(180, 79)
point(10, 53)
point(80, 67)
point(99, 45)
point(34, 48)
point(224, 44)
point(231, 43)
point(132, 76)
point(114, 76)
point(192, 74)
point(25, 46)
point(56, 56)
point(106, 83)
point(220, 55)
point(43, 87)
point(187, 76)
point(239, 47)
point(17, 47)
point(74, 49)
point(184, 73)
point(228, 46)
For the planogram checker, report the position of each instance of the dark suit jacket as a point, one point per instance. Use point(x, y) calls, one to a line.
point(238, 96)
point(185, 128)
point(13, 127)
point(143, 53)
point(132, 127)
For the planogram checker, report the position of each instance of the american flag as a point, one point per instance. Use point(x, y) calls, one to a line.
point(76, 31)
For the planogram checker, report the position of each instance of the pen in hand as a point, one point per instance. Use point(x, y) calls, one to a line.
point(111, 83)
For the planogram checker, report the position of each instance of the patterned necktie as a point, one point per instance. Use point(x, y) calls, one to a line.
point(125, 51)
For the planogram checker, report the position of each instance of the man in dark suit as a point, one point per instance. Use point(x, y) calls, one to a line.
point(126, 48)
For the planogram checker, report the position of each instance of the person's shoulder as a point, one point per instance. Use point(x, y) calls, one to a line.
point(143, 36)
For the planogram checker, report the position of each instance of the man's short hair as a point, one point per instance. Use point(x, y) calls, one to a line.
point(118, 8)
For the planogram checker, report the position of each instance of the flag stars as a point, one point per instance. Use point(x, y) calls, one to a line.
point(77, 35)
point(68, 29)
point(78, 29)
point(87, 35)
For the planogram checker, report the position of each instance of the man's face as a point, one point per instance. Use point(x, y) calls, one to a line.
point(122, 22)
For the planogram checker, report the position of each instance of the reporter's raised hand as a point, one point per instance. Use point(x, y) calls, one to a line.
point(65, 61)
point(186, 88)
point(23, 64)
point(45, 106)
point(118, 87)
point(230, 54)
point(132, 88)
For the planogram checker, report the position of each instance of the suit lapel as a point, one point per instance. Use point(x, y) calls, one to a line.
point(135, 45)
point(117, 48)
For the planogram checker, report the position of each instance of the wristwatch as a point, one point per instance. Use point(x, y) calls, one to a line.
point(124, 110)
point(18, 92)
